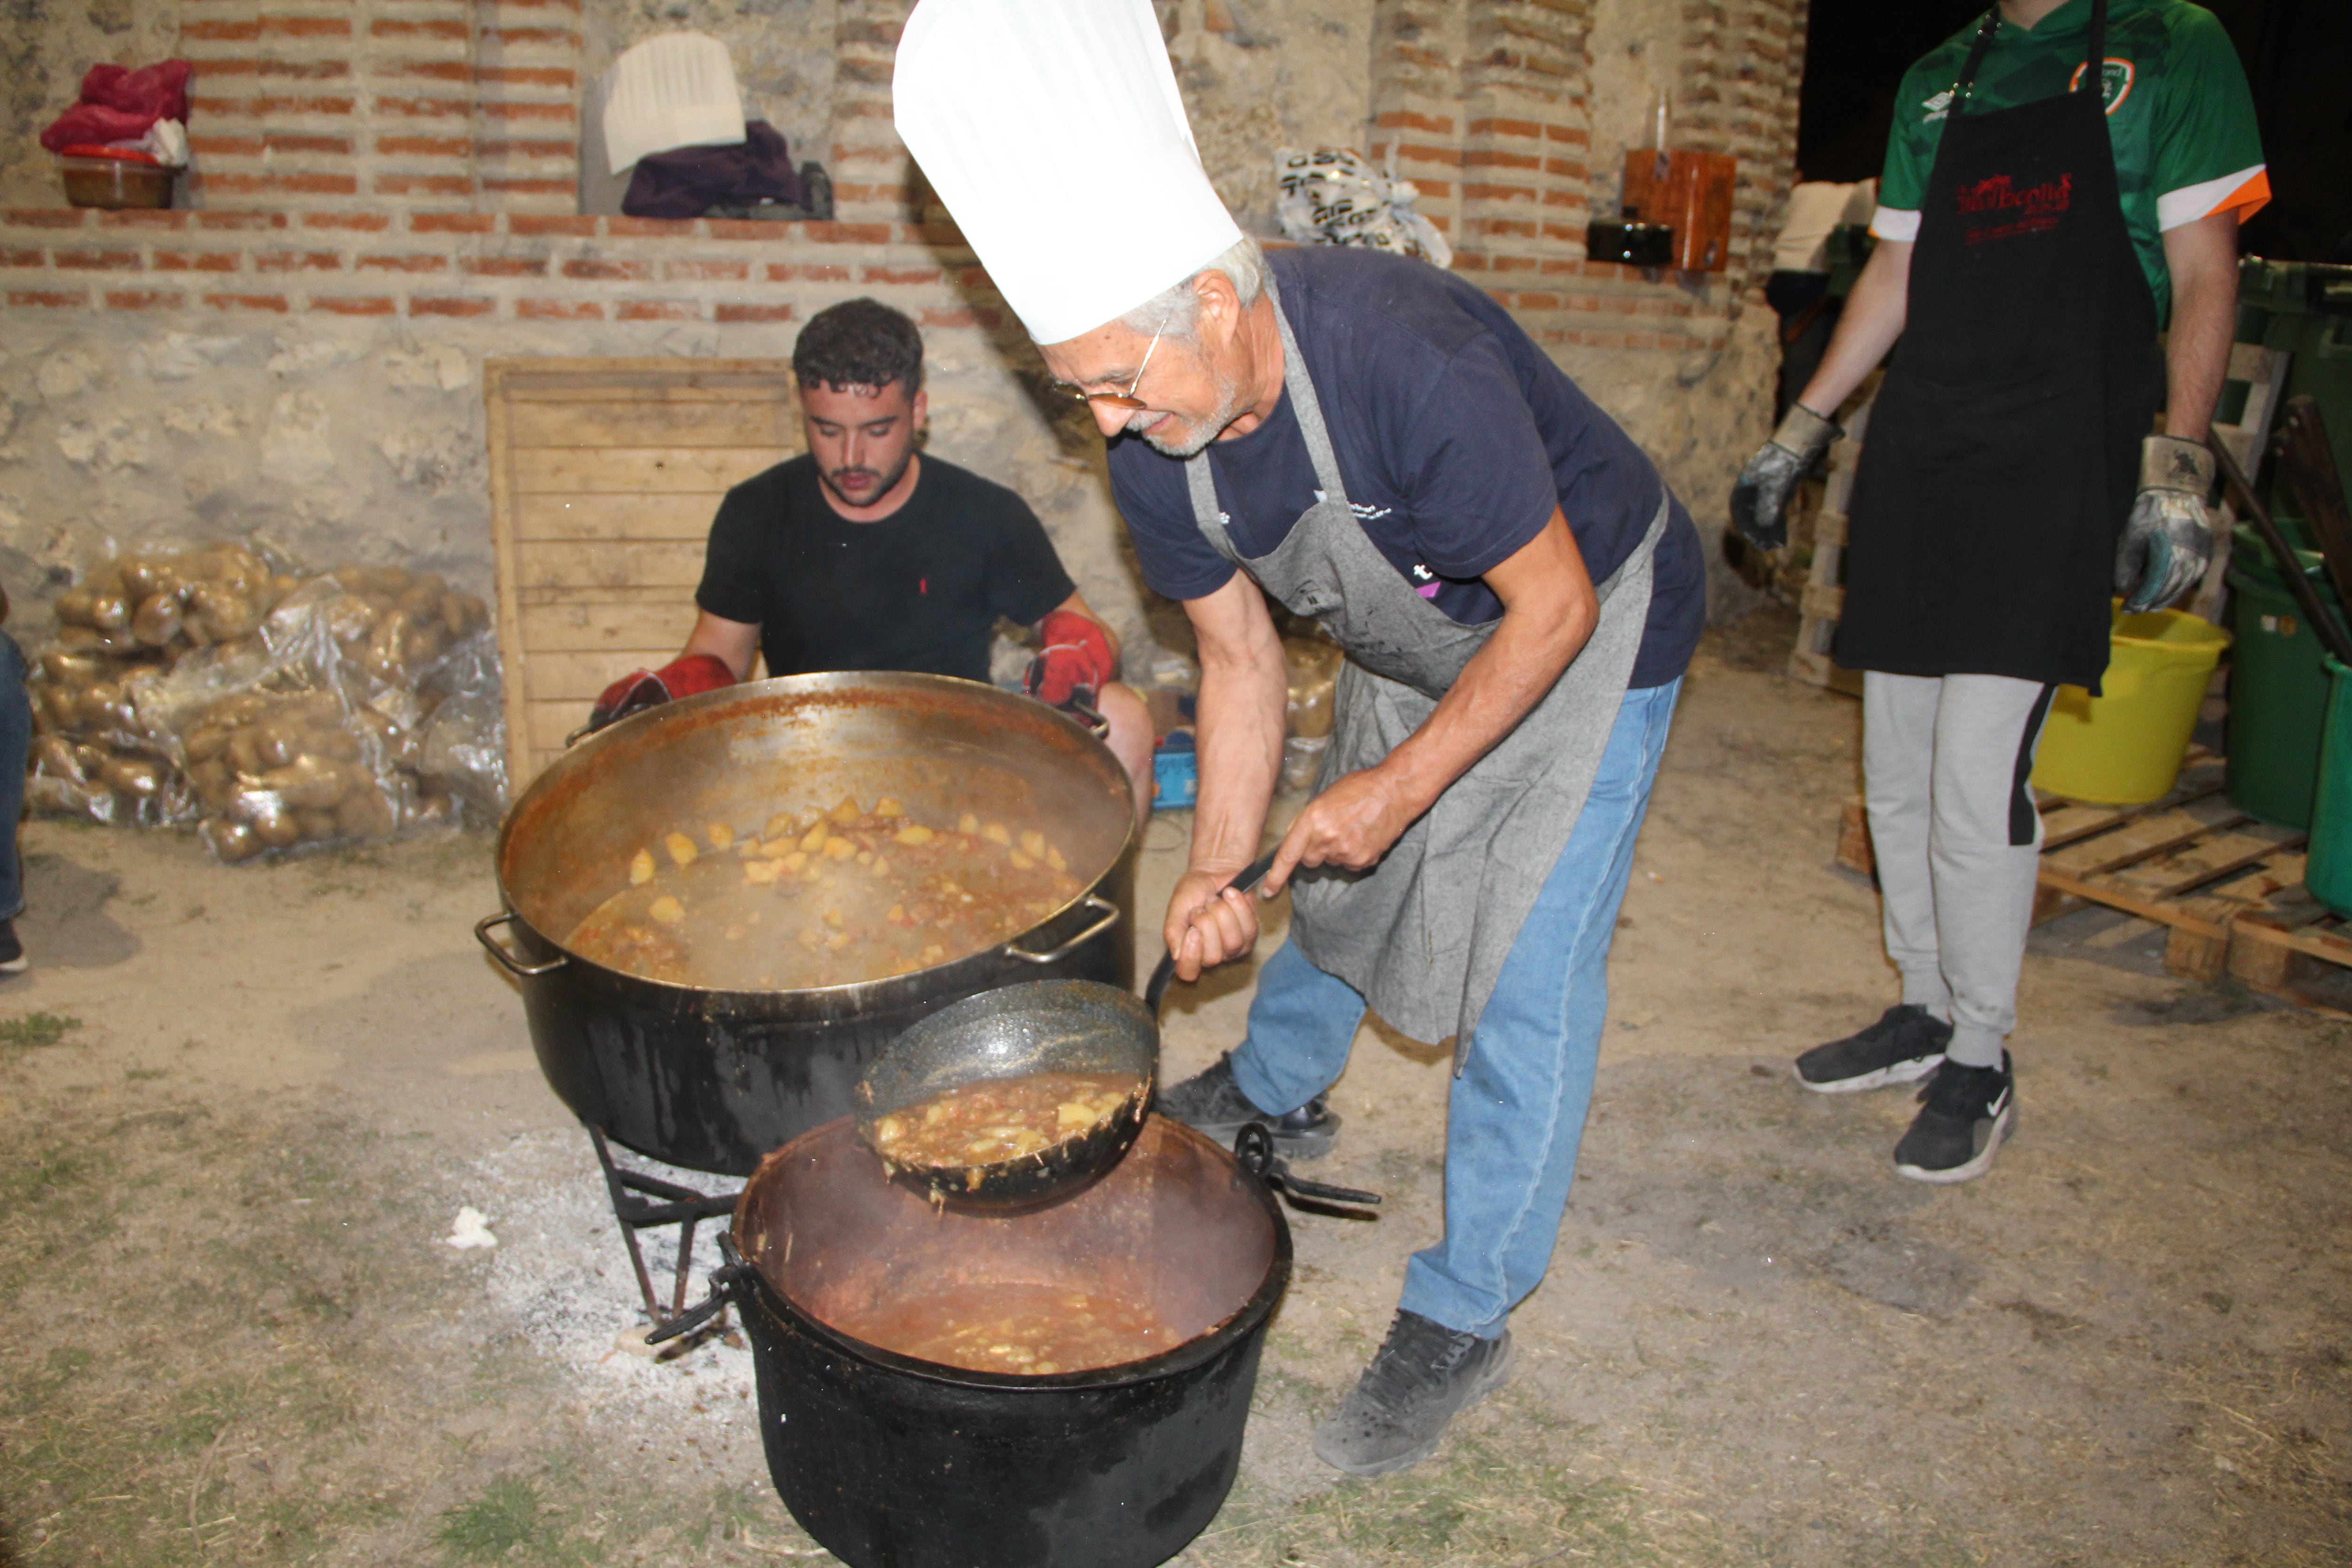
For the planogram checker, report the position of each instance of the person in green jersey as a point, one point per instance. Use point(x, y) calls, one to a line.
point(2062, 178)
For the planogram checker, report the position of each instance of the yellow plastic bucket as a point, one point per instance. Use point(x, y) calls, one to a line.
point(2123, 747)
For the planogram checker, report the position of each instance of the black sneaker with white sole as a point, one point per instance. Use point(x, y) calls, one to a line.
point(1212, 1102)
point(1964, 1117)
point(12, 952)
point(1425, 1375)
point(1906, 1045)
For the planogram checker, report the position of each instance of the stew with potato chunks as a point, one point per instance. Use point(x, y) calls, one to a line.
point(1032, 1330)
point(820, 898)
point(998, 1119)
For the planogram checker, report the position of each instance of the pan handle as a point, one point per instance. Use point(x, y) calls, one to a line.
point(1107, 915)
point(1251, 876)
point(507, 960)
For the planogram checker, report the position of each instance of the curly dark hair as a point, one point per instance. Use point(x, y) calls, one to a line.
point(859, 343)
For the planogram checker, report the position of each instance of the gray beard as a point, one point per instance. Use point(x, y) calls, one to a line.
point(1231, 401)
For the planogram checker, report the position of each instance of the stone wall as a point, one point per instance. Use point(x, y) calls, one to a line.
point(384, 200)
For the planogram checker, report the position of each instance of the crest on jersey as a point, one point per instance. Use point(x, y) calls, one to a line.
point(2115, 81)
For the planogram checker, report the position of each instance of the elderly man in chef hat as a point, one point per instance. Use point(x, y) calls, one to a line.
point(1377, 445)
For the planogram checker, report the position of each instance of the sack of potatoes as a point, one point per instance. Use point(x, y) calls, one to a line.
point(301, 724)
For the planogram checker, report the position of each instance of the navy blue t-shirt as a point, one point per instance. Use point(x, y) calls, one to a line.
point(1456, 436)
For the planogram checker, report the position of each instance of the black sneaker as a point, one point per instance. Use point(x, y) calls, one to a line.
point(1425, 1375)
point(1905, 1044)
point(12, 952)
point(1212, 1102)
point(1963, 1116)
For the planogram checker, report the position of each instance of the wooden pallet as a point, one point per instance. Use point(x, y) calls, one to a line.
point(2227, 887)
point(605, 476)
point(1824, 597)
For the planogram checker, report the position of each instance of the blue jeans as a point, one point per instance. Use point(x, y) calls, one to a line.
point(16, 750)
point(1518, 1112)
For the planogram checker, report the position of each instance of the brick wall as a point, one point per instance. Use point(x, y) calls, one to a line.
point(322, 105)
point(386, 183)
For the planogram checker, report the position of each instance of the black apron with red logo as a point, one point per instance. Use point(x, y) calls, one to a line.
point(2000, 456)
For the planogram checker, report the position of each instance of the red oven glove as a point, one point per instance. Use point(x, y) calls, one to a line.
point(649, 688)
point(1075, 662)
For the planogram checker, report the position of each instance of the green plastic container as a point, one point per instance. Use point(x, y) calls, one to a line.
point(2278, 687)
point(2304, 307)
point(2327, 865)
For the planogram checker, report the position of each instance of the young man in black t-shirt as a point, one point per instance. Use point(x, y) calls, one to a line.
point(864, 553)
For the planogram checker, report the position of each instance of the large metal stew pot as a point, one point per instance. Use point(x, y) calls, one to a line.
point(893, 1462)
point(714, 1079)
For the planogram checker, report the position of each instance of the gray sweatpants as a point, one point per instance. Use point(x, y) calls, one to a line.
point(1945, 763)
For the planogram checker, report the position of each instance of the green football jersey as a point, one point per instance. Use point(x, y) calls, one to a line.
point(2180, 116)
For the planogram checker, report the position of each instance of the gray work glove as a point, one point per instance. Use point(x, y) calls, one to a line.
point(1759, 502)
point(2169, 539)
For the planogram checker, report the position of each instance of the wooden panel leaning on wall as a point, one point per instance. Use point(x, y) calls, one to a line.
point(605, 476)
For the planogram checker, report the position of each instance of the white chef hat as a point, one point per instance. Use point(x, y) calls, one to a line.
point(1053, 131)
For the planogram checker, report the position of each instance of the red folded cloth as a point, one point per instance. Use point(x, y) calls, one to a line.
point(119, 104)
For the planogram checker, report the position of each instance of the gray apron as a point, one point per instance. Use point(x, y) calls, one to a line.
point(1423, 935)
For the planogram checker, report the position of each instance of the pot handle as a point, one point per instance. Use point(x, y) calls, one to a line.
point(724, 1281)
point(1108, 917)
point(1253, 1151)
point(1251, 876)
point(507, 960)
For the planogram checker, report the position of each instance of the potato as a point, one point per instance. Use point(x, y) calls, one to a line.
point(141, 575)
point(311, 782)
point(78, 638)
point(88, 758)
point(136, 778)
point(365, 814)
point(110, 612)
point(222, 613)
point(333, 741)
point(232, 843)
point(315, 826)
point(73, 606)
point(205, 742)
point(214, 783)
point(245, 752)
point(276, 828)
point(156, 621)
point(277, 743)
point(424, 645)
point(53, 710)
point(73, 669)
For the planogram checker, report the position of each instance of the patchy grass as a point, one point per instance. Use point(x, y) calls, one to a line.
point(1487, 1498)
point(34, 1030)
point(506, 1517)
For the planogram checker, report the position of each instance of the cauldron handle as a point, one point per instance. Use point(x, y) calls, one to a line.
point(1253, 1151)
point(507, 961)
point(725, 1281)
point(1251, 876)
point(1107, 916)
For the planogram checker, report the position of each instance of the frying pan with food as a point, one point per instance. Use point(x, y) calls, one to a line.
point(1045, 1026)
point(1048, 1025)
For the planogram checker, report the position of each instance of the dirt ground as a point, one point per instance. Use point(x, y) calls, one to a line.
point(241, 1110)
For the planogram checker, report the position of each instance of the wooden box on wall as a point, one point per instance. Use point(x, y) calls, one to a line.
point(604, 477)
point(1691, 191)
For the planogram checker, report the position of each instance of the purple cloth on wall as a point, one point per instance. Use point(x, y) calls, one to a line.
point(689, 180)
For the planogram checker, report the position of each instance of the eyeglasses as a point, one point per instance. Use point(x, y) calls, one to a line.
point(1122, 399)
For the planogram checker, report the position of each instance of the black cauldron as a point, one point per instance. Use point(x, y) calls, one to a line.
point(713, 1079)
point(893, 1462)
